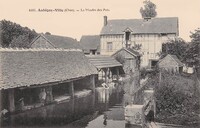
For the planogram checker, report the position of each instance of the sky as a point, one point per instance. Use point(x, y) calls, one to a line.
point(81, 21)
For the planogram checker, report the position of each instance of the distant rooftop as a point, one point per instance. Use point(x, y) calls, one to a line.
point(90, 42)
point(101, 61)
point(59, 41)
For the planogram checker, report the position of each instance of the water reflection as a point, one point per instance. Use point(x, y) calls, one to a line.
point(100, 109)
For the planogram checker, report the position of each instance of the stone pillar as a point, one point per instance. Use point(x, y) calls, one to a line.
point(71, 89)
point(11, 100)
point(92, 83)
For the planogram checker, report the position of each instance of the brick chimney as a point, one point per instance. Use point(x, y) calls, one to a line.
point(105, 20)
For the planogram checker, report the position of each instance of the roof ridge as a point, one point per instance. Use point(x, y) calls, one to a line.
point(142, 18)
point(91, 35)
point(59, 36)
point(38, 49)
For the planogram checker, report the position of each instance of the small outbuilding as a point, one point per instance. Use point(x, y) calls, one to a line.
point(171, 63)
point(129, 58)
point(107, 67)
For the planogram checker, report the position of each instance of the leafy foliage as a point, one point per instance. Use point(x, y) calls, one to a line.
point(177, 99)
point(175, 47)
point(149, 9)
point(137, 47)
point(22, 41)
point(193, 51)
point(12, 31)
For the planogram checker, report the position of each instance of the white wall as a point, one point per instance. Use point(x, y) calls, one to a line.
point(151, 44)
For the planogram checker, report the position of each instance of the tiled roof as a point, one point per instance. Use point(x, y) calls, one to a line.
point(100, 61)
point(141, 26)
point(60, 41)
point(177, 60)
point(40, 66)
point(90, 42)
point(129, 50)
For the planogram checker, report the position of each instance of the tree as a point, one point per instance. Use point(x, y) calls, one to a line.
point(175, 47)
point(149, 9)
point(12, 31)
point(193, 51)
point(21, 41)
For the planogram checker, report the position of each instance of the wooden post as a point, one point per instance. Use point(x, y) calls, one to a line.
point(11, 100)
point(92, 82)
point(106, 75)
point(71, 89)
point(101, 74)
point(117, 74)
point(49, 97)
point(160, 76)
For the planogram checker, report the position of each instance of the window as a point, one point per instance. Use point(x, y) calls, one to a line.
point(163, 34)
point(109, 46)
point(127, 35)
point(92, 52)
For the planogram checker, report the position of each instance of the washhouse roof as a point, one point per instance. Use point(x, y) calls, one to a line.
point(32, 67)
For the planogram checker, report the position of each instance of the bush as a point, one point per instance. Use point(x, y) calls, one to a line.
point(177, 100)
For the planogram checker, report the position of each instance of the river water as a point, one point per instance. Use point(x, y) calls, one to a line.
point(104, 109)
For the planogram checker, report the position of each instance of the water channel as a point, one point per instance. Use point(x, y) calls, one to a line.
point(104, 108)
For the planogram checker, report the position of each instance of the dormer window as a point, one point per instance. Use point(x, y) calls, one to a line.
point(127, 35)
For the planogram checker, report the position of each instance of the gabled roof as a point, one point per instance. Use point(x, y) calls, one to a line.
point(100, 61)
point(142, 26)
point(59, 41)
point(90, 42)
point(32, 67)
point(129, 50)
point(175, 58)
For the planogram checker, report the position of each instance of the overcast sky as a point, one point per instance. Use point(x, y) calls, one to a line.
point(78, 23)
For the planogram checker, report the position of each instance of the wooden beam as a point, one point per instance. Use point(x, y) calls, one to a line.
point(51, 83)
point(71, 89)
point(92, 82)
point(11, 100)
point(117, 74)
point(106, 75)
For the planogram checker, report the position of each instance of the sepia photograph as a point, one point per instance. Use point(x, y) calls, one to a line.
point(99, 64)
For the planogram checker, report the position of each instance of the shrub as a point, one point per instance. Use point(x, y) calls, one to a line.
point(177, 100)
